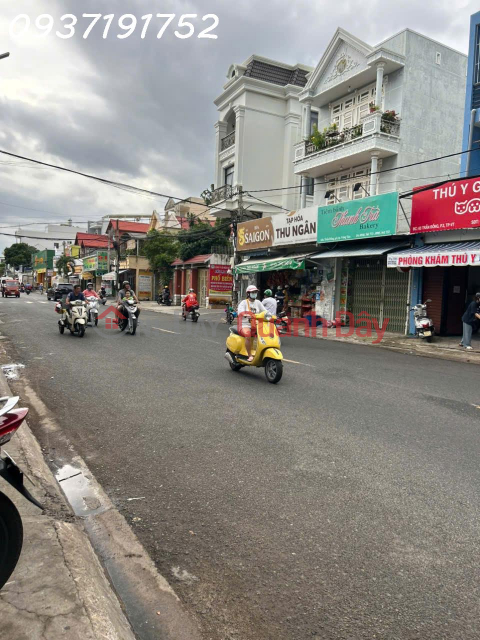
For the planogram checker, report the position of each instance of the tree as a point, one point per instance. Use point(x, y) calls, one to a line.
point(161, 249)
point(62, 265)
point(19, 254)
point(202, 237)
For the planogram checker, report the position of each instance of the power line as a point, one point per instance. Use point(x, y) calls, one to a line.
point(405, 166)
point(112, 183)
point(270, 204)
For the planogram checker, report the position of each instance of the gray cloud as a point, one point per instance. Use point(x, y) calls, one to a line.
point(142, 110)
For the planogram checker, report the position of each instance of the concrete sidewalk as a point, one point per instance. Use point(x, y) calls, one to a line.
point(59, 588)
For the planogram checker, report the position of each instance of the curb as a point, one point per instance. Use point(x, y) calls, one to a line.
point(101, 542)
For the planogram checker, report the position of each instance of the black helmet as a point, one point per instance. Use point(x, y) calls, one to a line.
point(477, 295)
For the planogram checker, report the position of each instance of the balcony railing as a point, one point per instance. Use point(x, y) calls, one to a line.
point(222, 193)
point(370, 124)
point(228, 141)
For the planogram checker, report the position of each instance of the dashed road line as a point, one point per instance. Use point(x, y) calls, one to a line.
point(164, 330)
point(304, 364)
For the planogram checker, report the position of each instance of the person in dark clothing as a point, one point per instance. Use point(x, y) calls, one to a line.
point(469, 318)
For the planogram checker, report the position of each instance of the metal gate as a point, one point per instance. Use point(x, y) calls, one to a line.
point(380, 292)
point(202, 286)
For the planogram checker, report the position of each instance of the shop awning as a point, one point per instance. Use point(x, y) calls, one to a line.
point(109, 276)
point(449, 254)
point(271, 264)
point(357, 250)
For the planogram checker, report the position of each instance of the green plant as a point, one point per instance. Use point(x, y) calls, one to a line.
point(317, 138)
point(373, 107)
point(357, 131)
point(19, 254)
point(161, 249)
point(62, 265)
point(389, 116)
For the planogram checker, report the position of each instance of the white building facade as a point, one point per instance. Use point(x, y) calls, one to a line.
point(376, 111)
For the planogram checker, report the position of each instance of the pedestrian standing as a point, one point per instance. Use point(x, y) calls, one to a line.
point(469, 319)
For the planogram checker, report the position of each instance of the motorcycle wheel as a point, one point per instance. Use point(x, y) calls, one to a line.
point(11, 538)
point(158, 300)
point(81, 331)
point(134, 327)
point(96, 322)
point(428, 338)
point(61, 328)
point(273, 370)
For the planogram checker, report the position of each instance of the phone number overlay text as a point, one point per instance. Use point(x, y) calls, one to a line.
point(111, 26)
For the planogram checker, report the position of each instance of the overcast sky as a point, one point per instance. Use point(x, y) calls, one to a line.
point(141, 111)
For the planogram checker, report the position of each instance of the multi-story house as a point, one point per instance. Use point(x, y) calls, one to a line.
point(375, 112)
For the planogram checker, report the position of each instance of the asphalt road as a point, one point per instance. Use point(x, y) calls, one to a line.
point(340, 503)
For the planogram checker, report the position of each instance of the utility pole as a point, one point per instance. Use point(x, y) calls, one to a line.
point(118, 258)
point(236, 218)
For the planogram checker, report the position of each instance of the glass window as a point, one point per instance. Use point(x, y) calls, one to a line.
point(310, 186)
point(476, 62)
point(313, 120)
point(229, 175)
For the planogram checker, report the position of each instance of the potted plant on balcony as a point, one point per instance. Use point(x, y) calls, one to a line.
point(356, 131)
point(389, 118)
point(373, 107)
point(332, 130)
point(318, 138)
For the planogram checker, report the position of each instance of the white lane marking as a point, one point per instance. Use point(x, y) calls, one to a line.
point(28, 302)
point(165, 330)
point(42, 302)
point(295, 362)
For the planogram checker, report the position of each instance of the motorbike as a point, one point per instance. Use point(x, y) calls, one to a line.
point(165, 299)
point(265, 349)
point(103, 297)
point(92, 310)
point(282, 322)
point(231, 314)
point(423, 324)
point(129, 312)
point(75, 321)
point(11, 528)
point(192, 313)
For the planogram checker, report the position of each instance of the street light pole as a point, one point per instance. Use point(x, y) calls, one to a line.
point(4, 55)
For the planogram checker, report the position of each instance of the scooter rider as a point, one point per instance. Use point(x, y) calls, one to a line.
point(280, 298)
point(90, 291)
point(246, 309)
point(76, 294)
point(269, 302)
point(190, 301)
point(121, 295)
point(166, 294)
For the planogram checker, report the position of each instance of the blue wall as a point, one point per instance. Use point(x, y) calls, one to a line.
point(475, 160)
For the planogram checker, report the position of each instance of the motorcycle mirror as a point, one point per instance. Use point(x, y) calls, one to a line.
point(426, 301)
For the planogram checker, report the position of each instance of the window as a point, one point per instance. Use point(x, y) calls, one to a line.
point(341, 185)
point(349, 112)
point(229, 175)
point(56, 245)
point(438, 58)
point(476, 60)
point(310, 186)
point(313, 120)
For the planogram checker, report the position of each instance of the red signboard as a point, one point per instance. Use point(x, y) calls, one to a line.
point(220, 281)
point(453, 205)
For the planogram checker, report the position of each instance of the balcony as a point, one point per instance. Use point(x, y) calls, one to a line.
point(376, 133)
point(222, 193)
point(227, 146)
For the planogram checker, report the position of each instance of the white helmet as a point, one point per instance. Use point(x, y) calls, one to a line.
point(251, 288)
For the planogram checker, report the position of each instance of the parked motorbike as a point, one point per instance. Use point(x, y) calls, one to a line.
point(11, 529)
point(192, 313)
point(231, 314)
point(265, 349)
point(423, 324)
point(92, 310)
point(282, 322)
point(129, 312)
point(75, 320)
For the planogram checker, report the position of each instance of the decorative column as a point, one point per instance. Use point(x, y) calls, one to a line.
point(379, 85)
point(303, 193)
point(319, 191)
point(307, 121)
point(239, 136)
point(373, 174)
point(220, 133)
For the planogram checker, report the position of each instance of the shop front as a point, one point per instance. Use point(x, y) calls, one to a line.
point(449, 276)
point(208, 275)
point(95, 266)
point(42, 264)
point(356, 281)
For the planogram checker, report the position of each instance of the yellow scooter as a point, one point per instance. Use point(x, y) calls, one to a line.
point(265, 349)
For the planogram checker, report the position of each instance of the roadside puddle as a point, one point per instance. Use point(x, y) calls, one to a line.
point(79, 491)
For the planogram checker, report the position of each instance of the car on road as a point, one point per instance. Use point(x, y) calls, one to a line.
point(59, 291)
point(11, 288)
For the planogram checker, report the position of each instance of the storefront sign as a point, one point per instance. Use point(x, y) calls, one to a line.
point(453, 205)
point(144, 286)
point(43, 260)
point(295, 227)
point(255, 234)
point(366, 218)
point(220, 281)
point(434, 259)
point(274, 264)
point(90, 263)
point(102, 262)
point(72, 250)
